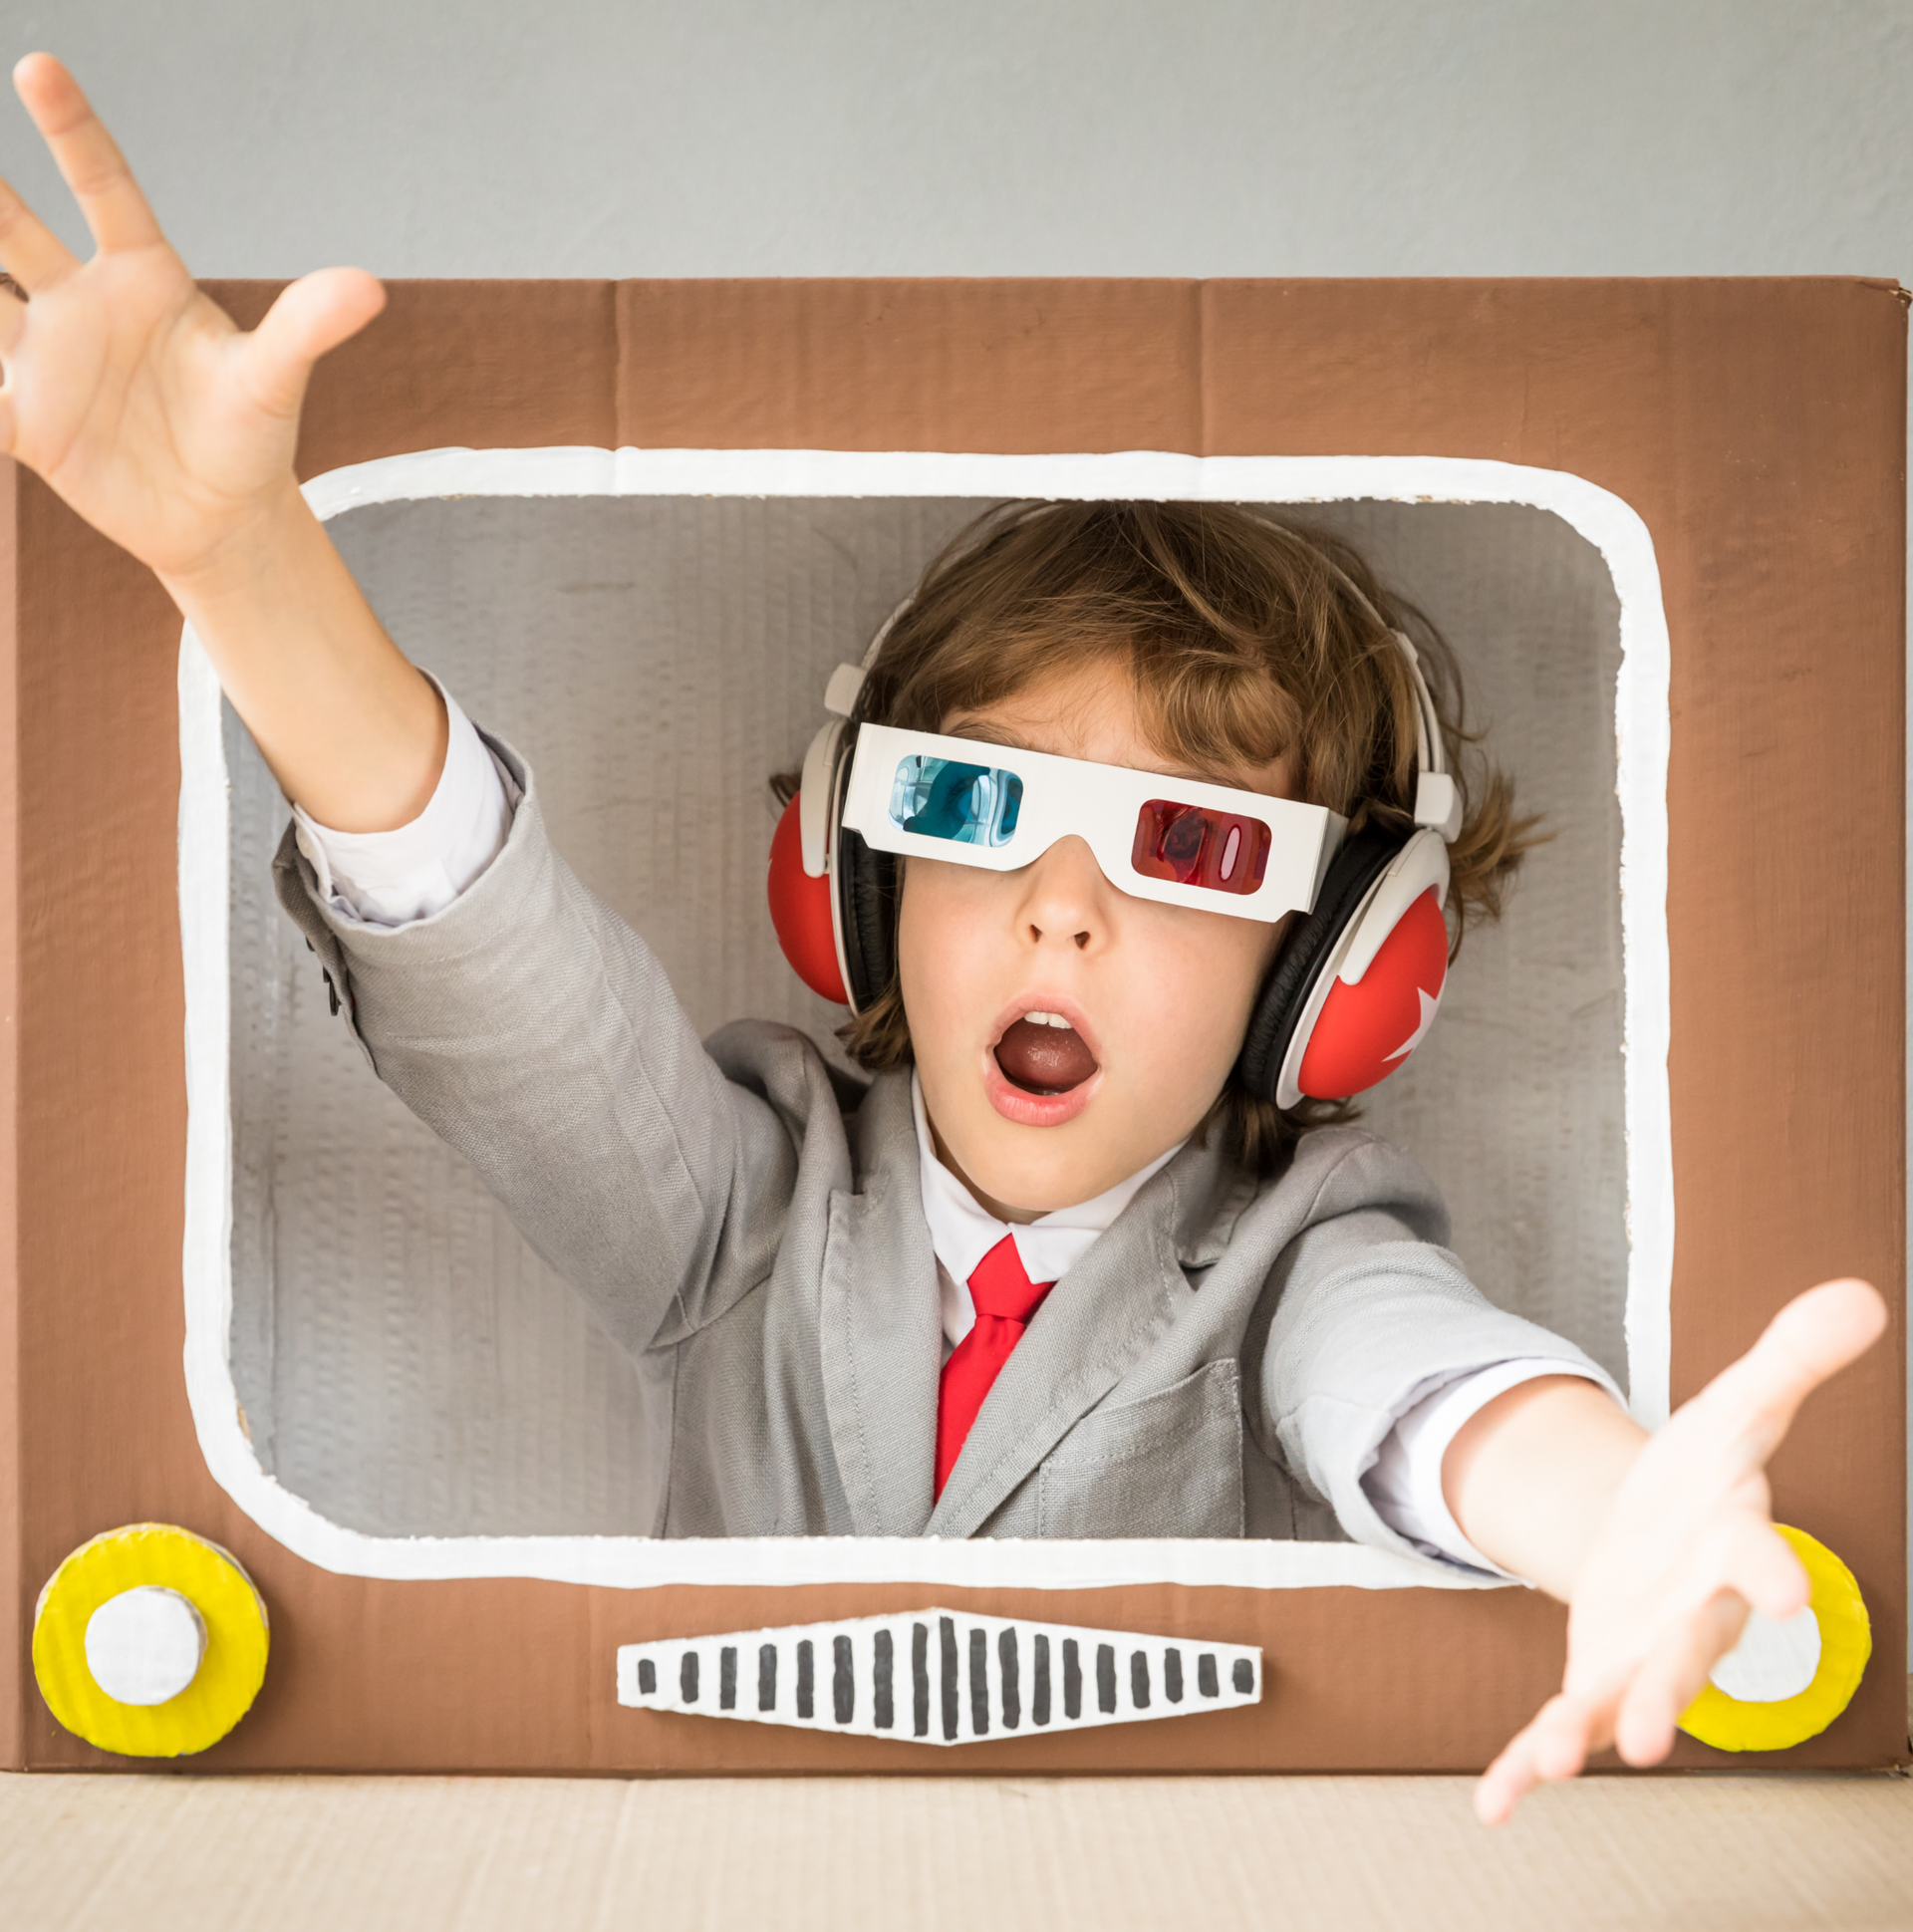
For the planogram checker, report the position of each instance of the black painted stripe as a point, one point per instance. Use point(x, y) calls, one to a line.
point(687, 1677)
point(1245, 1675)
point(1008, 1666)
point(920, 1679)
point(980, 1682)
point(1072, 1680)
point(767, 1677)
point(843, 1682)
point(946, 1643)
point(647, 1677)
point(1039, 1700)
point(806, 1680)
point(1106, 1678)
point(1139, 1679)
point(1173, 1675)
point(881, 1705)
point(1206, 1675)
point(728, 1678)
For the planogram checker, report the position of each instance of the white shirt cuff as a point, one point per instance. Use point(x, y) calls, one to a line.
point(392, 878)
point(1405, 1483)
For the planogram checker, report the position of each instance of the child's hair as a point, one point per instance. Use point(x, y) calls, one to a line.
point(1245, 642)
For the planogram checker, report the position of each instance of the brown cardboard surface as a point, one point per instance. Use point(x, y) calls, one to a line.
point(489, 364)
point(1756, 429)
point(1370, 1854)
point(1007, 366)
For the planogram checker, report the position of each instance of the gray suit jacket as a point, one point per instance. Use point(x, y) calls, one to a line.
point(1226, 1359)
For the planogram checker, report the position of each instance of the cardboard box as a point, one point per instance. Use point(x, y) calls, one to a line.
point(1730, 451)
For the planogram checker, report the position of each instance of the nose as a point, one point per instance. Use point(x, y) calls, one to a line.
point(1065, 899)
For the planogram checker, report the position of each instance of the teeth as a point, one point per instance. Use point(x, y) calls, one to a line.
point(1047, 1020)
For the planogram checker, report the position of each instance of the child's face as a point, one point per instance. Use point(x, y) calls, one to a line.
point(1157, 996)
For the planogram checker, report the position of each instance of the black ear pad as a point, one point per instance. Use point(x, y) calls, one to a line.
point(867, 908)
point(1310, 942)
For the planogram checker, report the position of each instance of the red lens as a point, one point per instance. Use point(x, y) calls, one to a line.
point(1219, 851)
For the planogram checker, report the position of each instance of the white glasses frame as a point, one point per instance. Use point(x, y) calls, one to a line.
point(1099, 804)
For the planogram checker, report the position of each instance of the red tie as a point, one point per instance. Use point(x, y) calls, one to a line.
point(1006, 1298)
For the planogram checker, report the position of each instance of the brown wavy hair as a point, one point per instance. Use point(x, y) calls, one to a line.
point(1245, 642)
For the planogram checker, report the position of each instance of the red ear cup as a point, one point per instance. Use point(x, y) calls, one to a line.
point(1367, 1030)
point(801, 910)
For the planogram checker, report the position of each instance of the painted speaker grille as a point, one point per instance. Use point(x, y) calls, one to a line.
point(939, 1677)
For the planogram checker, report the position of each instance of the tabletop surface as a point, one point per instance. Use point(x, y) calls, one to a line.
point(285, 1854)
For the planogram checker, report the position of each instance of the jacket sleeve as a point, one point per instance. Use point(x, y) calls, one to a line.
point(535, 1033)
point(1371, 1310)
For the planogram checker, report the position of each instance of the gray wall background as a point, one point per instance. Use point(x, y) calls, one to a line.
point(1006, 137)
point(1044, 137)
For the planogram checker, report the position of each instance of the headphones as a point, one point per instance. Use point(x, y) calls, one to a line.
point(1351, 993)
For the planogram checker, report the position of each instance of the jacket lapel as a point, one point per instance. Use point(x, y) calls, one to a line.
point(1093, 1326)
point(882, 1333)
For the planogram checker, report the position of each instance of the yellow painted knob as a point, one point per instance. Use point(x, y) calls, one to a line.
point(149, 1641)
point(1784, 1683)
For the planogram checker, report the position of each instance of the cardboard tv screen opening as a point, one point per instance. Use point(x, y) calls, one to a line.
point(403, 1364)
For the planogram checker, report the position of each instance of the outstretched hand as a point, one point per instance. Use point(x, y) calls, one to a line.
point(132, 394)
point(1685, 1549)
point(171, 431)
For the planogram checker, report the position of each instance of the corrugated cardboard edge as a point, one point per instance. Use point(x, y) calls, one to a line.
point(305, 1853)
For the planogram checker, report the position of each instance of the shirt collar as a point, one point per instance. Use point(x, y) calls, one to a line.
point(963, 1232)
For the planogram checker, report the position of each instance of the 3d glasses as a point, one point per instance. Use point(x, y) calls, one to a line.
point(1177, 840)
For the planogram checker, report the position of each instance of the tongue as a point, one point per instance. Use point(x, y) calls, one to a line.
point(1045, 1059)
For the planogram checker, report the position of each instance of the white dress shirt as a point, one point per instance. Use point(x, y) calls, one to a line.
point(963, 1232)
point(395, 878)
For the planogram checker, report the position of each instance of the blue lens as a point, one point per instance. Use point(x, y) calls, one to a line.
point(937, 798)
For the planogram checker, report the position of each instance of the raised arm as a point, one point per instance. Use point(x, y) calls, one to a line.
point(171, 431)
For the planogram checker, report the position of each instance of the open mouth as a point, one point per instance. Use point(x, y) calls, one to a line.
point(1043, 1054)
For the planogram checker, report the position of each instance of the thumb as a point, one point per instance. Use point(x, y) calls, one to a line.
point(316, 313)
point(1827, 1327)
point(1811, 1339)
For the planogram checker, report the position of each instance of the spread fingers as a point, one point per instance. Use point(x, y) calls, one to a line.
point(1671, 1676)
point(87, 156)
point(29, 251)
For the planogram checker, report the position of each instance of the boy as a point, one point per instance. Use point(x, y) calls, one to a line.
point(722, 1206)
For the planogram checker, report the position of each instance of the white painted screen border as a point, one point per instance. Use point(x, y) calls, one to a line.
point(1641, 729)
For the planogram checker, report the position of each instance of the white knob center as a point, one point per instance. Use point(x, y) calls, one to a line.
point(1772, 1660)
point(144, 1645)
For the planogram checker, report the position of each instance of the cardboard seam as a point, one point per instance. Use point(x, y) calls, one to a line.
point(614, 412)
